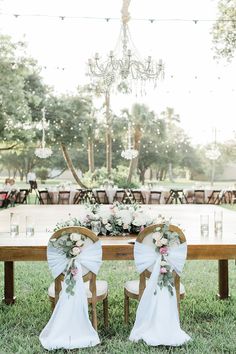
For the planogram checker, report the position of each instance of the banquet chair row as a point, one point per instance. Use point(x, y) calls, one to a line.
point(13, 197)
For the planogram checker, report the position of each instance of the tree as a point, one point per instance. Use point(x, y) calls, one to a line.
point(68, 116)
point(15, 113)
point(224, 30)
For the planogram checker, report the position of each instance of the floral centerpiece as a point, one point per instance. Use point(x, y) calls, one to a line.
point(70, 245)
point(118, 219)
point(163, 239)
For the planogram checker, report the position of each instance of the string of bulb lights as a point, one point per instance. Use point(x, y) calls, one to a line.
point(108, 19)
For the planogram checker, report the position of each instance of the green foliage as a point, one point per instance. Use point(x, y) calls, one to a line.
point(118, 177)
point(42, 173)
point(224, 30)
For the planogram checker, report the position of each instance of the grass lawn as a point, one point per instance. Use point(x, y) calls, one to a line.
point(211, 323)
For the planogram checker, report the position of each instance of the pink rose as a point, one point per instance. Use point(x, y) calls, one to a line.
point(163, 270)
point(142, 228)
point(74, 271)
point(163, 250)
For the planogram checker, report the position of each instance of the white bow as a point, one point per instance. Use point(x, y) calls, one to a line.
point(157, 319)
point(69, 326)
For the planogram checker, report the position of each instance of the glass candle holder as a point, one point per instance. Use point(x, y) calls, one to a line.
point(14, 224)
point(204, 225)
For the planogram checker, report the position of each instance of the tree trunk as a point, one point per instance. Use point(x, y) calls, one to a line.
point(212, 172)
point(142, 176)
point(91, 154)
point(137, 143)
point(71, 166)
point(108, 135)
point(170, 172)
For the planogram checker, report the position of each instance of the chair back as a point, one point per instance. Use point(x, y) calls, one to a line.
point(199, 196)
point(137, 196)
point(86, 196)
point(102, 196)
point(120, 196)
point(155, 197)
point(90, 238)
point(64, 197)
point(44, 197)
point(145, 237)
point(3, 198)
point(22, 196)
point(214, 198)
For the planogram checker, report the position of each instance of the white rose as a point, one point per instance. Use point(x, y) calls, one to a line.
point(108, 227)
point(79, 243)
point(104, 221)
point(75, 237)
point(75, 251)
point(119, 222)
point(163, 263)
point(157, 236)
point(164, 241)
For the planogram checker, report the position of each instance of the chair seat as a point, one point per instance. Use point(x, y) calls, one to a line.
point(101, 285)
point(132, 286)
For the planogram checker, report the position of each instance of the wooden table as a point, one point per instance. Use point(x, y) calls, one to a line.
point(117, 248)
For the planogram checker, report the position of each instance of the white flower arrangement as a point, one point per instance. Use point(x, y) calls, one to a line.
point(71, 245)
point(119, 219)
point(163, 238)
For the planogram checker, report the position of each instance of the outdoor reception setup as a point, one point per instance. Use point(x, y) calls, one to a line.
point(117, 176)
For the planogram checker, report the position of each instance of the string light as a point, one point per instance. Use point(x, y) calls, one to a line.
point(108, 19)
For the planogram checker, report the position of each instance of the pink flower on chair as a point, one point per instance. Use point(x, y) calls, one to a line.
point(142, 228)
point(163, 270)
point(163, 250)
point(74, 271)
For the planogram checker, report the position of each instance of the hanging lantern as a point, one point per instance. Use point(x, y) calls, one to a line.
point(43, 152)
point(129, 153)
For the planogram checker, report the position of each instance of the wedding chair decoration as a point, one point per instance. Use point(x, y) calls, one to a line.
point(159, 252)
point(74, 258)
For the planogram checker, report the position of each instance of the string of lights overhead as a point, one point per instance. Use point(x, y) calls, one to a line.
point(108, 19)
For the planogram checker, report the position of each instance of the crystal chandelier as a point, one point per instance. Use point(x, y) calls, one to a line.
point(123, 66)
point(129, 153)
point(43, 152)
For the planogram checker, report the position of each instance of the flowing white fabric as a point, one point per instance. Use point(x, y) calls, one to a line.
point(69, 326)
point(157, 318)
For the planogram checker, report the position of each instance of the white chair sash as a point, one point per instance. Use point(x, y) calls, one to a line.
point(157, 318)
point(69, 326)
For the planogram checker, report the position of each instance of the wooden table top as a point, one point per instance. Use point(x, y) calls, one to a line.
point(187, 217)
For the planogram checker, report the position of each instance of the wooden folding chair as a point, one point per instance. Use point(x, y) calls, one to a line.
point(64, 197)
point(96, 290)
point(134, 288)
point(199, 196)
point(155, 197)
point(137, 196)
point(214, 197)
point(44, 197)
point(102, 197)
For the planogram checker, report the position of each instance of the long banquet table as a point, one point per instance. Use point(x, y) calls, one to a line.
point(117, 248)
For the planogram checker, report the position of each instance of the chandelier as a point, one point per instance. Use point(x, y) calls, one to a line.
point(123, 65)
point(43, 152)
point(129, 153)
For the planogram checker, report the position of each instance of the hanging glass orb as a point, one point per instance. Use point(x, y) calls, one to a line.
point(43, 152)
point(213, 153)
point(129, 154)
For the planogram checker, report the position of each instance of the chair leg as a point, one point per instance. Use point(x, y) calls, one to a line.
point(126, 308)
point(94, 316)
point(105, 311)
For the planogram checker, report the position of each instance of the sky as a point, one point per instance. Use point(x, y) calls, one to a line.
point(201, 90)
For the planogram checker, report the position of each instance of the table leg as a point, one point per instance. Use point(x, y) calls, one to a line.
point(223, 278)
point(9, 283)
